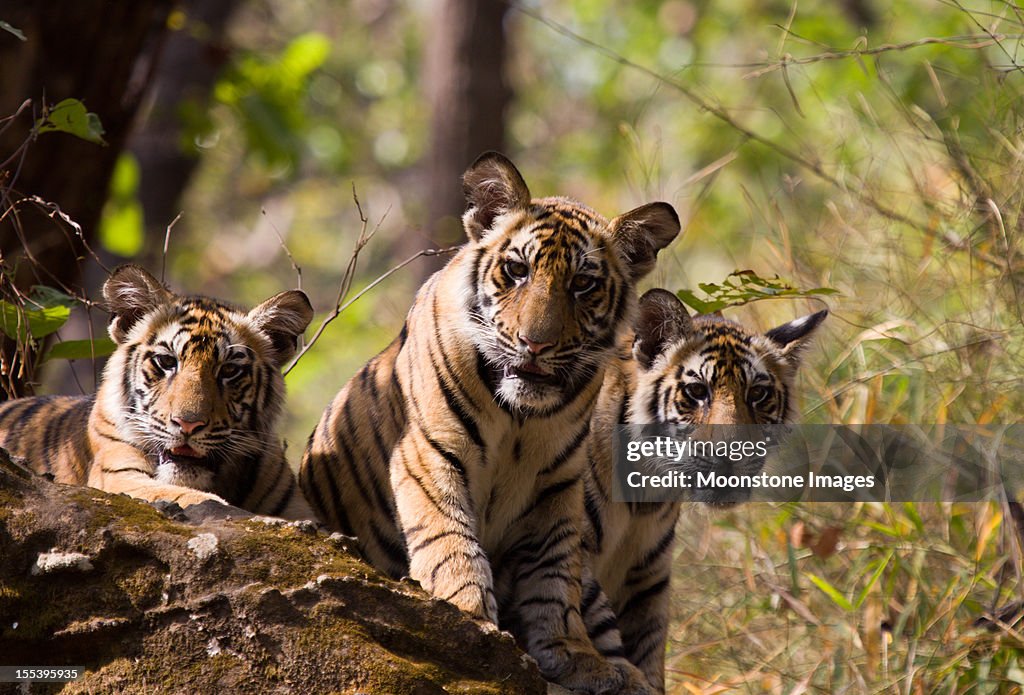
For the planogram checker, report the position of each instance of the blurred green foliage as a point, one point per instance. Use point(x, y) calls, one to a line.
point(121, 228)
point(268, 94)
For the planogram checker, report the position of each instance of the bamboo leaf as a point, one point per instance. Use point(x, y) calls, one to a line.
point(830, 591)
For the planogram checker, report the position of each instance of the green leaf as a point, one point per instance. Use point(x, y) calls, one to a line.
point(699, 305)
point(305, 54)
point(19, 323)
point(12, 30)
point(873, 580)
point(42, 297)
point(70, 116)
point(830, 591)
point(742, 287)
point(81, 349)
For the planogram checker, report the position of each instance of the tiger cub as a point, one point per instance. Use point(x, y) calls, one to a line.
point(705, 370)
point(456, 454)
point(187, 408)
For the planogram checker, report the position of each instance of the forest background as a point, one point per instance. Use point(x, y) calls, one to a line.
point(868, 154)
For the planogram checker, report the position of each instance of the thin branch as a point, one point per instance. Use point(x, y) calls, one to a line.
point(167, 243)
point(284, 247)
point(966, 42)
point(996, 38)
point(347, 277)
point(54, 210)
point(340, 307)
point(721, 114)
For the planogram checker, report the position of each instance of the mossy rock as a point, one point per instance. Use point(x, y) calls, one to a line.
point(147, 603)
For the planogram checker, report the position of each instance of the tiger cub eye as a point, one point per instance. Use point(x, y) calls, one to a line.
point(581, 284)
point(757, 393)
point(697, 391)
point(164, 361)
point(516, 270)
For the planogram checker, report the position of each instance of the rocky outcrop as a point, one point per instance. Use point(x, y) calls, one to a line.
point(211, 600)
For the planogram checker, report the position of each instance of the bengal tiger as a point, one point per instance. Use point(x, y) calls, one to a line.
point(187, 408)
point(699, 371)
point(456, 456)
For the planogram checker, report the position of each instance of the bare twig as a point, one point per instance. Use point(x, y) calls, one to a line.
point(342, 306)
point(365, 234)
point(966, 42)
point(284, 247)
point(54, 210)
point(997, 39)
point(167, 243)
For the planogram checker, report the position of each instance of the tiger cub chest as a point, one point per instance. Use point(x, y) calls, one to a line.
point(521, 460)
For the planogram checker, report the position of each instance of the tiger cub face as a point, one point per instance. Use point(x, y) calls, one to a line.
point(708, 371)
point(200, 380)
point(552, 283)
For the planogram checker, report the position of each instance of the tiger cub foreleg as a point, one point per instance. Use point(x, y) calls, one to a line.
point(599, 617)
point(434, 510)
point(545, 570)
point(643, 607)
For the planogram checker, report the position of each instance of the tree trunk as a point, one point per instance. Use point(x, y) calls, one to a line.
point(468, 95)
point(102, 53)
point(191, 62)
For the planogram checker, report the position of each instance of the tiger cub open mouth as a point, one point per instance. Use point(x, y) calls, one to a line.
point(183, 454)
point(529, 372)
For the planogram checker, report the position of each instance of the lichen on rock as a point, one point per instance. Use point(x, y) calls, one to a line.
point(208, 599)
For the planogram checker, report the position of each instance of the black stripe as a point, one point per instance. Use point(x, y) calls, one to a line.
point(126, 468)
point(282, 470)
point(641, 597)
point(659, 548)
point(568, 451)
point(285, 498)
point(594, 515)
point(250, 468)
point(552, 490)
point(448, 456)
point(395, 551)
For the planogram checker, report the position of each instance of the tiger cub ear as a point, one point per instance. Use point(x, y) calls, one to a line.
point(283, 317)
point(793, 337)
point(130, 293)
point(639, 234)
point(662, 320)
point(492, 186)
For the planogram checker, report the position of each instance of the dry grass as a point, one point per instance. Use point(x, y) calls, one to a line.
point(831, 598)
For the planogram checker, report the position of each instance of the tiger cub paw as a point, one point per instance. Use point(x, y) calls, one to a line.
point(482, 608)
point(634, 681)
point(581, 669)
point(191, 497)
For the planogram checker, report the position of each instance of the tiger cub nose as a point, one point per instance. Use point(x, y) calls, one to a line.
point(188, 426)
point(533, 346)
